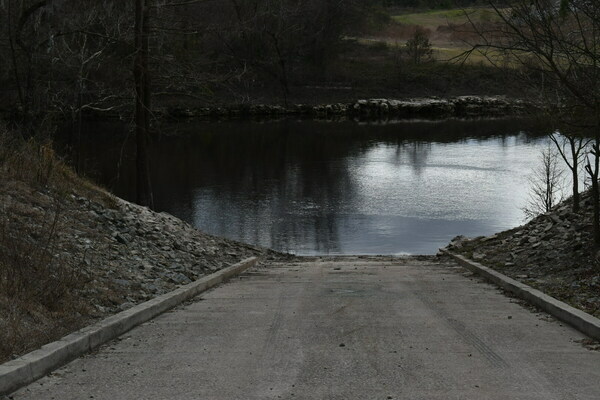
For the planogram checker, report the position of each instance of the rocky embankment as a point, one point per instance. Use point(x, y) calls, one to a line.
point(463, 106)
point(554, 253)
point(141, 254)
point(71, 258)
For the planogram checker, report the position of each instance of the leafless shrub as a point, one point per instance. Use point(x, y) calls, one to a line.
point(34, 162)
point(418, 47)
point(28, 161)
point(38, 289)
point(30, 270)
point(547, 184)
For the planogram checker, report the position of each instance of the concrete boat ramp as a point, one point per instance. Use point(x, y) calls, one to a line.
point(345, 328)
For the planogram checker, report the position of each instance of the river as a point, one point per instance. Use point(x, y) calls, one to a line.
point(322, 187)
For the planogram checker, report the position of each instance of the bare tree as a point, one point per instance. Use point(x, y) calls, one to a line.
point(278, 41)
point(572, 150)
point(546, 184)
point(558, 41)
point(418, 47)
point(56, 51)
point(143, 105)
point(82, 47)
point(25, 32)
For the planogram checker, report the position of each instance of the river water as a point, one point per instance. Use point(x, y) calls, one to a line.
point(318, 187)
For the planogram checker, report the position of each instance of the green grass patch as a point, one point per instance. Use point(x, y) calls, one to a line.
point(435, 18)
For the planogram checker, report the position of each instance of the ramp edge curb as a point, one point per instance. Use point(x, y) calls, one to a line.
point(36, 364)
point(578, 319)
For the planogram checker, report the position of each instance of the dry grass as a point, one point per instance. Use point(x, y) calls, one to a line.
point(39, 298)
point(38, 293)
point(450, 32)
point(30, 271)
point(34, 162)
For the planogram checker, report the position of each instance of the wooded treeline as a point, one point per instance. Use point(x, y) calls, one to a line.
point(62, 59)
point(69, 56)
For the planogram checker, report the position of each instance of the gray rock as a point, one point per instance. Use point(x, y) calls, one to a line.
point(126, 306)
point(101, 309)
point(490, 238)
point(122, 282)
point(121, 239)
point(180, 279)
point(555, 218)
point(478, 256)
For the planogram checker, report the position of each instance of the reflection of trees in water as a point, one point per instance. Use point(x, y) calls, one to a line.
point(415, 152)
point(279, 183)
point(269, 186)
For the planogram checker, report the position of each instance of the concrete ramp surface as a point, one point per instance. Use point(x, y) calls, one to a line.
point(350, 328)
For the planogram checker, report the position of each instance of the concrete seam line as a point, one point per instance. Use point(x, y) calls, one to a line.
point(32, 366)
point(580, 320)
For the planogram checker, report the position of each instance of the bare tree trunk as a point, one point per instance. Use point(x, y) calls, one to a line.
point(575, 174)
point(593, 172)
point(79, 129)
point(142, 104)
point(13, 55)
point(147, 78)
point(284, 82)
point(596, 193)
point(576, 145)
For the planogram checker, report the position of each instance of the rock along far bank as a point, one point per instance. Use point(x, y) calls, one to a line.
point(366, 109)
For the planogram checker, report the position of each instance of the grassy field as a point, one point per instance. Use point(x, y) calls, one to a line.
point(449, 31)
point(375, 64)
point(444, 52)
point(434, 18)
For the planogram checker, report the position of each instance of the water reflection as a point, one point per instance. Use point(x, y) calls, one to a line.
point(335, 188)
